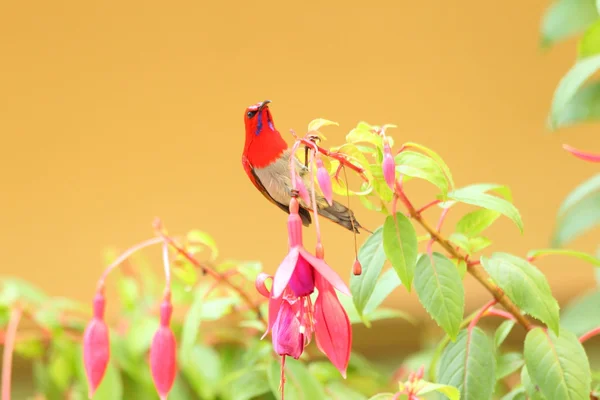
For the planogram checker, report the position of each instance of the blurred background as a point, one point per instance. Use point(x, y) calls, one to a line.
point(113, 113)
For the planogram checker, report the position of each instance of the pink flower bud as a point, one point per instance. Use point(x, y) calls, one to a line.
point(302, 190)
point(96, 347)
point(163, 361)
point(389, 167)
point(357, 268)
point(324, 182)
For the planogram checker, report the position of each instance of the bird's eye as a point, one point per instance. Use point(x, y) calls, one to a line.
point(251, 114)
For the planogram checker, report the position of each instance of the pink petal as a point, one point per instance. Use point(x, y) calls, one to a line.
point(324, 182)
point(286, 335)
point(582, 155)
point(96, 346)
point(325, 270)
point(284, 272)
point(163, 352)
point(302, 190)
point(274, 305)
point(332, 329)
point(294, 229)
point(260, 283)
point(389, 170)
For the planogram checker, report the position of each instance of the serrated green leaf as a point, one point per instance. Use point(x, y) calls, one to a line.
point(372, 258)
point(400, 246)
point(533, 391)
point(461, 241)
point(565, 252)
point(589, 45)
point(299, 383)
point(478, 244)
point(570, 84)
point(584, 106)
point(508, 363)
point(502, 332)
point(558, 364)
point(318, 123)
point(435, 157)
point(197, 237)
point(579, 212)
point(450, 392)
point(203, 371)
point(187, 273)
point(474, 195)
point(525, 285)
point(581, 314)
point(417, 165)
point(464, 360)
point(440, 290)
point(566, 18)
point(475, 222)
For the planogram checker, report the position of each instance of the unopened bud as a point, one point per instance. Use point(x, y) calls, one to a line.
point(389, 167)
point(163, 361)
point(96, 347)
point(320, 251)
point(324, 182)
point(357, 268)
point(302, 190)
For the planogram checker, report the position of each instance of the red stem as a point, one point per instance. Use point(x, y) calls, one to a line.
point(500, 313)
point(338, 156)
point(485, 308)
point(11, 333)
point(429, 205)
point(589, 335)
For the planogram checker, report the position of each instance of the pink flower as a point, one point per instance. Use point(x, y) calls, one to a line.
point(96, 347)
point(292, 316)
point(582, 155)
point(389, 166)
point(302, 190)
point(324, 182)
point(163, 361)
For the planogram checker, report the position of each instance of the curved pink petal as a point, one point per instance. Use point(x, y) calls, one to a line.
point(260, 284)
point(582, 155)
point(286, 335)
point(284, 272)
point(274, 305)
point(325, 270)
point(333, 330)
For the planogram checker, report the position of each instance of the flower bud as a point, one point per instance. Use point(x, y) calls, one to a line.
point(96, 347)
point(324, 182)
point(357, 268)
point(302, 190)
point(163, 361)
point(389, 167)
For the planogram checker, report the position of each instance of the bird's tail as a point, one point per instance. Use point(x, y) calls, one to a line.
point(342, 215)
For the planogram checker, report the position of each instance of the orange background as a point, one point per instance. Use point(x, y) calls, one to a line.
point(114, 113)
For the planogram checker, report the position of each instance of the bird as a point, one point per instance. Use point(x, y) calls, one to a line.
point(266, 161)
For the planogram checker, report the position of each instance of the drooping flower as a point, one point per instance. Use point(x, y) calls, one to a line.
point(292, 316)
point(163, 352)
point(324, 182)
point(96, 346)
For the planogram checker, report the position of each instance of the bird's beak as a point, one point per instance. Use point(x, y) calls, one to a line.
point(263, 104)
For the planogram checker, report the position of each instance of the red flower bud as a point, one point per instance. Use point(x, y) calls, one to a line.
point(96, 347)
point(163, 361)
point(324, 182)
point(357, 268)
point(389, 166)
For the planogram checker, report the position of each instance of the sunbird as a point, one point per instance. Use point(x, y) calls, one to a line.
point(266, 160)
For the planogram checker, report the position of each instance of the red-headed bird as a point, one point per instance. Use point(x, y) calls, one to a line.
point(266, 160)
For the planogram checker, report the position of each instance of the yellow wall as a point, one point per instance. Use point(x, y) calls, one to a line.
point(112, 114)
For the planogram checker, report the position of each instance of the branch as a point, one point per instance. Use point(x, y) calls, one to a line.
point(342, 158)
point(473, 269)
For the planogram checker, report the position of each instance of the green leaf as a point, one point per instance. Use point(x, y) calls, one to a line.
point(250, 385)
point(579, 212)
point(372, 257)
point(383, 396)
point(30, 348)
point(217, 308)
point(450, 392)
point(584, 106)
point(318, 123)
point(203, 371)
point(299, 383)
point(525, 285)
point(589, 45)
point(435, 157)
point(197, 237)
point(187, 273)
point(400, 246)
point(140, 335)
point(502, 332)
point(129, 292)
point(14, 289)
point(461, 241)
point(508, 363)
point(517, 393)
point(573, 253)
point(191, 324)
point(558, 364)
point(581, 314)
point(417, 165)
point(477, 244)
point(566, 18)
point(474, 195)
point(463, 362)
point(386, 284)
point(533, 391)
point(339, 391)
point(111, 387)
point(475, 222)
point(440, 290)
point(570, 84)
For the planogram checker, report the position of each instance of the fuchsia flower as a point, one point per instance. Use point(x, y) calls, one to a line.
point(591, 157)
point(324, 182)
point(292, 316)
point(163, 360)
point(96, 347)
point(389, 166)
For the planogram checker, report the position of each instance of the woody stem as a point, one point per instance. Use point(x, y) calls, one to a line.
point(338, 156)
point(474, 270)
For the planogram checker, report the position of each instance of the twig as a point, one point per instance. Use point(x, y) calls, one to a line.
point(589, 335)
point(481, 313)
point(342, 158)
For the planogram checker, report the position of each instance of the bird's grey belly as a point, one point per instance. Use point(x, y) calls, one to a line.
point(276, 178)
